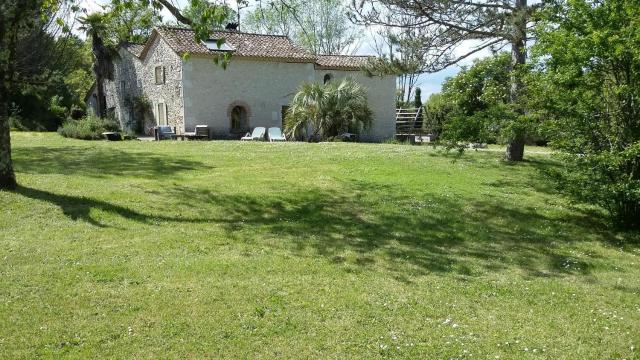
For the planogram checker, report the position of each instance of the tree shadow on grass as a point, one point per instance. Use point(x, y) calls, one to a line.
point(404, 234)
point(79, 208)
point(364, 225)
point(99, 162)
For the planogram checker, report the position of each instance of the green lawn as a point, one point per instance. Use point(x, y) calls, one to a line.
point(294, 250)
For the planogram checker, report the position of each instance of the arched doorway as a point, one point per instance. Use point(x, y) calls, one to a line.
point(239, 119)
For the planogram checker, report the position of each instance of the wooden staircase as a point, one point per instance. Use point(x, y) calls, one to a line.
point(409, 125)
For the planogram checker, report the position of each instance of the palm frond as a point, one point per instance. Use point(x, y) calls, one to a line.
point(321, 111)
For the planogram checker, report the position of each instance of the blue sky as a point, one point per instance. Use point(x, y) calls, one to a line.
point(429, 83)
point(432, 83)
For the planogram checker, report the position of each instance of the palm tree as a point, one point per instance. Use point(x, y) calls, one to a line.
point(94, 26)
point(321, 111)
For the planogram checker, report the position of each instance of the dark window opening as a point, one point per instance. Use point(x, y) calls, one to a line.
point(239, 121)
point(327, 78)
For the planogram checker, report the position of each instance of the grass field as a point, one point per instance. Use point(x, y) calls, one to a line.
point(294, 250)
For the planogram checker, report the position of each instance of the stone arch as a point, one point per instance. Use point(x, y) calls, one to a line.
point(239, 117)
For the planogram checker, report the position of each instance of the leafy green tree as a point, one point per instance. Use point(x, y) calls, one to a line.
point(16, 16)
point(321, 111)
point(478, 105)
point(417, 100)
point(210, 14)
point(321, 26)
point(130, 21)
point(448, 24)
point(588, 53)
point(94, 25)
point(79, 77)
point(437, 111)
point(479, 86)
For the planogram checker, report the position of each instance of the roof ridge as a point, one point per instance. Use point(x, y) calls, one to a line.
point(250, 33)
point(341, 55)
point(173, 27)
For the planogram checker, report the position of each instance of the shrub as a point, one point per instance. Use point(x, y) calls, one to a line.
point(590, 95)
point(607, 179)
point(77, 113)
point(90, 127)
point(323, 111)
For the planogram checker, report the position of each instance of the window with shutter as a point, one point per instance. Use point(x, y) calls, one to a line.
point(161, 114)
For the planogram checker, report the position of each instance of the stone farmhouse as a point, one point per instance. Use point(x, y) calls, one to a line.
point(254, 90)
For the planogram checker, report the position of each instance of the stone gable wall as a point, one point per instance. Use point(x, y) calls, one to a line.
point(139, 79)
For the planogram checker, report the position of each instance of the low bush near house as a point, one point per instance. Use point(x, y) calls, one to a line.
point(319, 112)
point(90, 127)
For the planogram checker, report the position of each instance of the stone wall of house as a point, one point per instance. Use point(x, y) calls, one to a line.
point(381, 92)
point(262, 88)
point(169, 93)
point(199, 92)
point(121, 90)
point(135, 78)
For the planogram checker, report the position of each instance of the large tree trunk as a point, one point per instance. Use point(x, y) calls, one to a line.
point(100, 69)
point(7, 177)
point(101, 101)
point(515, 147)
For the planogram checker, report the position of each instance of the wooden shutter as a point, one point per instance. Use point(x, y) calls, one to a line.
point(161, 110)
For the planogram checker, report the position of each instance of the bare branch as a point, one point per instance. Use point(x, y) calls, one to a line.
point(175, 12)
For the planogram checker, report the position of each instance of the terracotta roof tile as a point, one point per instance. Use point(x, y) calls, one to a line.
point(243, 44)
point(341, 62)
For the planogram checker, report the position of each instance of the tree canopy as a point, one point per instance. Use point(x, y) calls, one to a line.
point(447, 25)
point(588, 56)
point(322, 111)
point(321, 26)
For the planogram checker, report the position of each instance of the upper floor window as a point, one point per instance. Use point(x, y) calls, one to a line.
point(159, 74)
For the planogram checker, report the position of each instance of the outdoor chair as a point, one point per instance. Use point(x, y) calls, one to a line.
point(164, 132)
point(256, 135)
point(201, 132)
point(275, 134)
